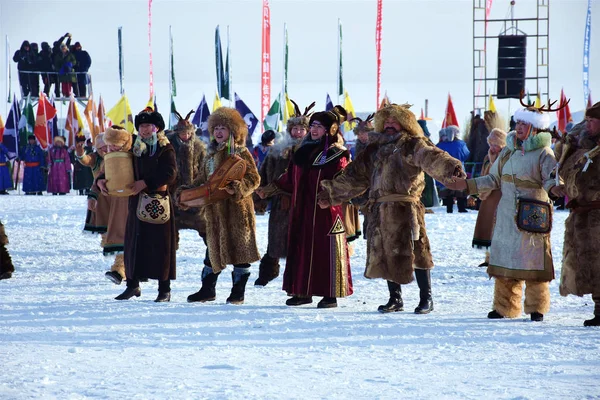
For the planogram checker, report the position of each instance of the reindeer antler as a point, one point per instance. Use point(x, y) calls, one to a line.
point(179, 118)
point(307, 109)
point(188, 115)
point(526, 105)
point(370, 117)
point(547, 108)
point(296, 108)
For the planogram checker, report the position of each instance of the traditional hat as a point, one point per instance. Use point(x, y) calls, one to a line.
point(452, 131)
point(533, 117)
point(184, 124)
point(59, 139)
point(400, 113)
point(498, 137)
point(118, 136)
point(267, 136)
point(149, 116)
point(593, 111)
point(232, 119)
point(331, 119)
point(363, 126)
point(299, 118)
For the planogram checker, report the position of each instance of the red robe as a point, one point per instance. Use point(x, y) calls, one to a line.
point(317, 261)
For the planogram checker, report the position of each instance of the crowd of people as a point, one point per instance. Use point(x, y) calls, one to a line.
point(63, 65)
point(313, 187)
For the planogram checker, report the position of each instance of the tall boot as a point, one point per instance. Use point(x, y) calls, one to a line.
point(596, 320)
point(461, 203)
point(267, 270)
point(449, 203)
point(208, 290)
point(239, 277)
point(395, 302)
point(424, 281)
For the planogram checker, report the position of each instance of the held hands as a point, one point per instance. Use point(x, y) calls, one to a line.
point(137, 187)
point(558, 191)
point(101, 183)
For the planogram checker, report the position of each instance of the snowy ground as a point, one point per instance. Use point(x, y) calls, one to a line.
point(63, 336)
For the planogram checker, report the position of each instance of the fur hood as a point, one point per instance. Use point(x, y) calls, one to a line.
point(118, 136)
point(232, 119)
point(533, 142)
point(403, 115)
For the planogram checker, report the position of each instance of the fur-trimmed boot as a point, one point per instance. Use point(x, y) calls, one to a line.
point(208, 290)
point(507, 298)
point(426, 301)
point(395, 302)
point(239, 277)
point(267, 270)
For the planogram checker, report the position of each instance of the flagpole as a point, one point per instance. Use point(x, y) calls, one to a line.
point(339, 72)
point(282, 102)
point(228, 68)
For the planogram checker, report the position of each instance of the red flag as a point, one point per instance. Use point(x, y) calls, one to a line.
point(450, 118)
point(564, 114)
point(45, 113)
point(266, 61)
point(378, 32)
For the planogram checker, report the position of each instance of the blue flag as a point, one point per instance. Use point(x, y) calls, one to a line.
point(11, 130)
point(53, 124)
point(328, 103)
point(201, 117)
point(248, 116)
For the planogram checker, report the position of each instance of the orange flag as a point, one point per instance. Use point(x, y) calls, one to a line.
point(45, 113)
point(73, 123)
point(91, 117)
point(1, 128)
point(450, 118)
point(101, 116)
point(564, 114)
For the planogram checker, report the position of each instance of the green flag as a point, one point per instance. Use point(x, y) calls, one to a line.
point(172, 77)
point(27, 121)
point(285, 59)
point(340, 77)
point(172, 116)
point(272, 119)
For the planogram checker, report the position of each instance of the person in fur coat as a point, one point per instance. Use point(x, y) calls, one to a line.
point(149, 248)
point(190, 152)
point(317, 263)
point(522, 171)
point(116, 138)
point(486, 217)
point(230, 223)
point(6, 266)
point(274, 165)
point(391, 168)
point(580, 170)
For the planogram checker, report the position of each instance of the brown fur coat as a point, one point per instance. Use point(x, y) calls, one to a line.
point(394, 165)
point(190, 157)
point(581, 253)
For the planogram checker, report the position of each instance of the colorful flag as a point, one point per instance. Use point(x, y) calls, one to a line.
point(27, 122)
point(249, 118)
point(492, 106)
point(564, 114)
point(217, 102)
point(586, 51)
point(1, 128)
point(272, 119)
point(340, 70)
point(285, 58)
point(450, 118)
point(11, 130)
point(172, 66)
point(222, 74)
point(121, 114)
point(378, 37)
point(328, 103)
point(266, 61)
point(151, 103)
point(121, 60)
point(91, 116)
point(385, 101)
point(538, 101)
point(73, 122)
point(101, 116)
point(45, 112)
point(53, 124)
point(350, 111)
point(172, 116)
point(201, 117)
point(288, 110)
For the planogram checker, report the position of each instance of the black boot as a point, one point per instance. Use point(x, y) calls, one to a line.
point(537, 317)
point(424, 281)
point(129, 293)
point(114, 277)
point(495, 315)
point(239, 277)
point(449, 203)
point(395, 302)
point(592, 322)
point(298, 300)
point(461, 202)
point(208, 290)
point(327, 302)
point(163, 297)
point(267, 270)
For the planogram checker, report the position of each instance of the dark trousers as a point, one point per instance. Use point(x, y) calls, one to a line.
point(163, 286)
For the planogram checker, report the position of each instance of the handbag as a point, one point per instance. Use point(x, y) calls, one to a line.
point(153, 208)
point(534, 216)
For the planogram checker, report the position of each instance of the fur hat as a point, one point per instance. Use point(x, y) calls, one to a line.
point(99, 142)
point(363, 126)
point(593, 111)
point(184, 124)
point(400, 113)
point(298, 118)
point(498, 137)
point(118, 136)
point(267, 137)
point(539, 120)
point(331, 119)
point(149, 116)
point(59, 139)
point(443, 135)
point(232, 119)
point(452, 132)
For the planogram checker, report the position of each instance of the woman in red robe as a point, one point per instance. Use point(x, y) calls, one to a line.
point(317, 262)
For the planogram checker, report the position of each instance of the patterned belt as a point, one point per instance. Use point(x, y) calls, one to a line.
point(59, 160)
point(32, 164)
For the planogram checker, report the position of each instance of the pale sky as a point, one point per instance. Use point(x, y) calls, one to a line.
point(427, 48)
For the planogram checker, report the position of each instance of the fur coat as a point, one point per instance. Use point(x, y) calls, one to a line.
point(274, 165)
point(520, 171)
point(190, 157)
point(391, 168)
point(6, 264)
point(580, 272)
point(230, 223)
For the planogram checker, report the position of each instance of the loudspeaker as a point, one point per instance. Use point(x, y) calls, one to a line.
point(511, 65)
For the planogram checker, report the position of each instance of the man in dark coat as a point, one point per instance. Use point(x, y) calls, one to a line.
point(45, 65)
point(150, 246)
point(23, 58)
point(84, 62)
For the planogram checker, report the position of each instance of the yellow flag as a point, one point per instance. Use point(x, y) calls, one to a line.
point(121, 114)
point(216, 102)
point(538, 101)
point(492, 106)
point(351, 113)
point(150, 104)
point(288, 109)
